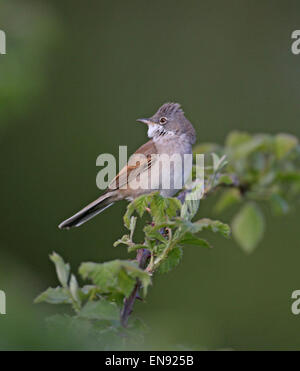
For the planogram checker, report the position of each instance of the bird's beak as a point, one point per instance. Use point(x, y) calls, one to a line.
point(145, 121)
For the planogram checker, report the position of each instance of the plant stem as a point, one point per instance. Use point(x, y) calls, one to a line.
point(142, 257)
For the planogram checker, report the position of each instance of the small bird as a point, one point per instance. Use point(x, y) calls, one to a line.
point(171, 134)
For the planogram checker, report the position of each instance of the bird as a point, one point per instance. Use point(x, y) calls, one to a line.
point(171, 134)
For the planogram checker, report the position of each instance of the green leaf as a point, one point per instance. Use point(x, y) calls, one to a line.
point(248, 227)
point(62, 269)
point(126, 283)
point(74, 289)
point(219, 162)
point(173, 206)
point(87, 289)
point(228, 198)
point(126, 218)
point(138, 325)
point(59, 295)
point(161, 208)
point(108, 278)
point(284, 144)
point(125, 240)
point(236, 138)
point(218, 165)
point(136, 246)
point(190, 239)
point(213, 225)
point(167, 224)
point(259, 142)
point(132, 226)
point(152, 233)
point(171, 261)
point(139, 205)
point(88, 292)
point(241, 145)
point(73, 329)
point(158, 206)
point(100, 310)
point(185, 225)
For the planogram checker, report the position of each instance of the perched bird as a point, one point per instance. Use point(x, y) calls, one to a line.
point(171, 134)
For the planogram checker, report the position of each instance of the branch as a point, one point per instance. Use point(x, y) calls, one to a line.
point(142, 257)
point(143, 254)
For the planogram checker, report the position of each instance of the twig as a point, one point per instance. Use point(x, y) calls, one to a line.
point(142, 257)
point(143, 254)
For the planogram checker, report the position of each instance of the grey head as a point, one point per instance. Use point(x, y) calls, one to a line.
point(169, 119)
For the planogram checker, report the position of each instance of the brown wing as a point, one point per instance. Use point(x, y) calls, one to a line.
point(137, 166)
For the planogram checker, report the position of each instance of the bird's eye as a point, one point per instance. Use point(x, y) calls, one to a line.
point(162, 120)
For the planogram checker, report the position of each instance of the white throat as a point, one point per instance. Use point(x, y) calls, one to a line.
point(153, 129)
point(158, 132)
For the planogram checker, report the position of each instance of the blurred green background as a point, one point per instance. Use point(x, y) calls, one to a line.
point(75, 77)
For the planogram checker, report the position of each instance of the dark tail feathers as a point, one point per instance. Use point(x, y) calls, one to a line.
point(88, 212)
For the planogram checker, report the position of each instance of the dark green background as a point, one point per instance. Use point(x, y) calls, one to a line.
point(76, 76)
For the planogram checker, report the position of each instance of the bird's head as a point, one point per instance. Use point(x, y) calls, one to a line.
point(169, 119)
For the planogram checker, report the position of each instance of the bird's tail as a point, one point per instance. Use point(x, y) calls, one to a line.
point(88, 212)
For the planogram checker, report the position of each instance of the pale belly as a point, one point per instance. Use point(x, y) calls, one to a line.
point(168, 172)
point(175, 176)
point(166, 175)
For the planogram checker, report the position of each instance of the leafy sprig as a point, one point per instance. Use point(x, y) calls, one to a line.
point(249, 170)
point(261, 169)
